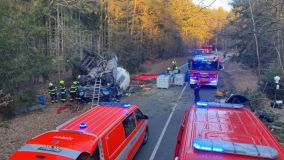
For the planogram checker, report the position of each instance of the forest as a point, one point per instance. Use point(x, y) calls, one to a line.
point(256, 28)
point(42, 40)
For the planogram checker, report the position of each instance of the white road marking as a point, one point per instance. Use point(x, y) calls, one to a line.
point(183, 65)
point(183, 68)
point(166, 125)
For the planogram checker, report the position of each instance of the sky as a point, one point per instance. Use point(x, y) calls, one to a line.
point(216, 4)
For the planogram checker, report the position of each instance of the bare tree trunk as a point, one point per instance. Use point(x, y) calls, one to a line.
point(133, 17)
point(62, 39)
point(255, 38)
point(278, 53)
point(57, 41)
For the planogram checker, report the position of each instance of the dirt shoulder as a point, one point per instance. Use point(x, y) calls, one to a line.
point(239, 77)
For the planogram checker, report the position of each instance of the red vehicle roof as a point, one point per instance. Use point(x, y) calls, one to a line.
point(71, 138)
point(233, 125)
point(97, 119)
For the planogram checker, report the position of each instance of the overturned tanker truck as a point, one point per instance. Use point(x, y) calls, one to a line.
point(102, 80)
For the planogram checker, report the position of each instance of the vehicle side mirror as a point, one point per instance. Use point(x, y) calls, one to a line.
point(146, 117)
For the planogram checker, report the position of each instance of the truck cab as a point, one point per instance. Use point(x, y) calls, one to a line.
point(204, 69)
point(222, 131)
point(106, 132)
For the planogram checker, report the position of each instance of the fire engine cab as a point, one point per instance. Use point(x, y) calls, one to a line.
point(204, 69)
point(208, 48)
point(222, 131)
point(106, 132)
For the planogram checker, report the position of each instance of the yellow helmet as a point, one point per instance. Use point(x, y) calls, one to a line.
point(61, 81)
point(74, 82)
point(50, 84)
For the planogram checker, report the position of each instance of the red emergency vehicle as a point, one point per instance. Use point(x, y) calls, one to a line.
point(204, 69)
point(222, 131)
point(208, 48)
point(106, 132)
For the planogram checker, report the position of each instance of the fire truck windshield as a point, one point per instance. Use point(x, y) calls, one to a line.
point(204, 65)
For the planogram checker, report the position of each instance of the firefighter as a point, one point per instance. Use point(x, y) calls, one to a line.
point(52, 90)
point(73, 91)
point(62, 90)
point(174, 64)
point(196, 91)
point(168, 70)
point(177, 70)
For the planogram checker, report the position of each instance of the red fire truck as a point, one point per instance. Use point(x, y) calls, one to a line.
point(222, 131)
point(208, 48)
point(204, 69)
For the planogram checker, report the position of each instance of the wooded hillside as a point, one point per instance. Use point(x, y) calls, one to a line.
point(257, 28)
point(39, 39)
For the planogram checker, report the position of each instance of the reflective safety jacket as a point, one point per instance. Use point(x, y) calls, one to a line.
point(62, 89)
point(73, 88)
point(52, 90)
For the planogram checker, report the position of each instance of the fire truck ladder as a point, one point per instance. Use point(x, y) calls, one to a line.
point(97, 92)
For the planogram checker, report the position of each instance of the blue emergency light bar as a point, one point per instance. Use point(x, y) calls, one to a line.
point(244, 149)
point(219, 105)
point(199, 57)
point(116, 104)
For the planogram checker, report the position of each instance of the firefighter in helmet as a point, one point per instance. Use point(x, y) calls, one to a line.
point(174, 64)
point(73, 90)
point(62, 90)
point(168, 70)
point(177, 70)
point(52, 90)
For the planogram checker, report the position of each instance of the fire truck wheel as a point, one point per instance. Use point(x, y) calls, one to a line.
point(145, 137)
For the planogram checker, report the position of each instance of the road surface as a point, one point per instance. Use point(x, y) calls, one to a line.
point(165, 108)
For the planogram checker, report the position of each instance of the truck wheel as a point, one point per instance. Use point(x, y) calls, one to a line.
point(145, 137)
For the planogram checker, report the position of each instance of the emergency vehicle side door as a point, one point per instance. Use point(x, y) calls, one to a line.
point(130, 127)
point(141, 128)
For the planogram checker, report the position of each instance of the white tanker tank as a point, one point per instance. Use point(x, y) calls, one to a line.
point(122, 78)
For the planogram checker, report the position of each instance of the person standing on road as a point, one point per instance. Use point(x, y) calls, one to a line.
point(196, 91)
point(177, 70)
point(168, 70)
point(52, 90)
point(62, 91)
point(174, 64)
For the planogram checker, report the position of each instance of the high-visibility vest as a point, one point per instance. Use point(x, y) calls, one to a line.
point(62, 89)
point(52, 89)
point(73, 88)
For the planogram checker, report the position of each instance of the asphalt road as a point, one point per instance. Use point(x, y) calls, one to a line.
point(165, 108)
